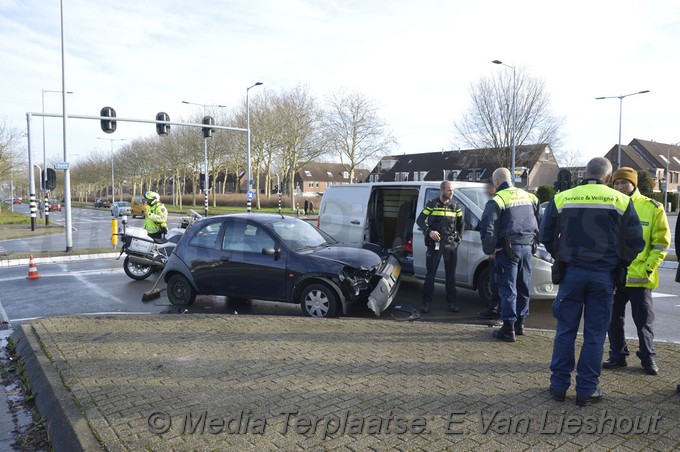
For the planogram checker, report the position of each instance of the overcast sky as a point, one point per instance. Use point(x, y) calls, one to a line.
point(417, 59)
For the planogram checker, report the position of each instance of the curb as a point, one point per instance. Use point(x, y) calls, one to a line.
point(68, 429)
point(55, 259)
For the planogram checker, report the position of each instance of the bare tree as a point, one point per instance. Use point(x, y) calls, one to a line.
point(488, 122)
point(354, 131)
point(299, 117)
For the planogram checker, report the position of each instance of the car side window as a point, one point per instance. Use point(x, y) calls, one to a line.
point(246, 237)
point(206, 236)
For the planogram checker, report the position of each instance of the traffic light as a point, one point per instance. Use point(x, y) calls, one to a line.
point(208, 131)
point(51, 179)
point(201, 181)
point(108, 125)
point(162, 129)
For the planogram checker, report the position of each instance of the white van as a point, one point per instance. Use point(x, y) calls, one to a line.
point(384, 213)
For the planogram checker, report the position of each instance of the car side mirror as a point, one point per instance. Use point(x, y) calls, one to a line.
point(269, 251)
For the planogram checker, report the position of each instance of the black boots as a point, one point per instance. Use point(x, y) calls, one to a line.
point(505, 333)
point(519, 326)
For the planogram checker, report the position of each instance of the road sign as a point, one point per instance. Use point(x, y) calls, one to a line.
point(61, 165)
point(250, 195)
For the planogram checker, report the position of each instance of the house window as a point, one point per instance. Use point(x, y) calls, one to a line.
point(317, 185)
point(451, 174)
point(374, 177)
point(419, 175)
point(401, 176)
point(308, 173)
point(345, 175)
point(329, 174)
point(310, 184)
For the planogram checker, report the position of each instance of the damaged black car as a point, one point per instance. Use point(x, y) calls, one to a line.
point(279, 258)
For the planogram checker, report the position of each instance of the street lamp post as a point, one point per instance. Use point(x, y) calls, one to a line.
point(514, 114)
point(113, 184)
point(205, 155)
point(248, 182)
point(620, 98)
point(44, 170)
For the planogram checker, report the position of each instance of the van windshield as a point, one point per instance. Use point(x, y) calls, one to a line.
point(475, 194)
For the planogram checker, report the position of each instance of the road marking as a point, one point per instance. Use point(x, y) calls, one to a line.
point(71, 274)
point(28, 319)
point(662, 295)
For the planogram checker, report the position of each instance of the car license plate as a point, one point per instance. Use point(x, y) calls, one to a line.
point(140, 246)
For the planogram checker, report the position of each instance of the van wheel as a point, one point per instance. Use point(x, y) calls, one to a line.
point(484, 285)
point(180, 291)
point(319, 300)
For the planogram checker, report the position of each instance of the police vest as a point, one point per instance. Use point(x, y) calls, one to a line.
point(517, 217)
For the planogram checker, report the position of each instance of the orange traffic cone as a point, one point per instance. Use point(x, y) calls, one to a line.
point(32, 269)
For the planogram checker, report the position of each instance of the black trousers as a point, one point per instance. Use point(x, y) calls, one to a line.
point(643, 315)
point(432, 258)
point(494, 302)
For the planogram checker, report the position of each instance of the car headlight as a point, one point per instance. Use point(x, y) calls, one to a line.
point(543, 254)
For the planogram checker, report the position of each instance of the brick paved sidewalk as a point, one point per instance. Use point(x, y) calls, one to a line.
point(192, 382)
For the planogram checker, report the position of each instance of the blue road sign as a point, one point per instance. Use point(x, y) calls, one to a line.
point(250, 195)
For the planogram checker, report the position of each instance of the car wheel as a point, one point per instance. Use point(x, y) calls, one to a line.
point(484, 285)
point(319, 300)
point(137, 271)
point(180, 291)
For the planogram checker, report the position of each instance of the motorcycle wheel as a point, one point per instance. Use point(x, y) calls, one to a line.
point(137, 271)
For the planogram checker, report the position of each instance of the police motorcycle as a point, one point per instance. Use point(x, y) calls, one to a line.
point(145, 255)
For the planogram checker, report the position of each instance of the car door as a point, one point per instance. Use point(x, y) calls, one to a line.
point(243, 269)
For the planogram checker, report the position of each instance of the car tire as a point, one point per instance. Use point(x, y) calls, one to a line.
point(137, 271)
point(180, 291)
point(484, 285)
point(319, 300)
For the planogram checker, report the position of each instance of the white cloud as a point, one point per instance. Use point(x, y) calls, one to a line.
point(417, 59)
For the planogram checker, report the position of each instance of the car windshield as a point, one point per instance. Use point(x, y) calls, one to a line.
point(300, 235)
point(52, 201)
point(123, 204)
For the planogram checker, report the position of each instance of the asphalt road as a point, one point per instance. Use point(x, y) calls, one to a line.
point(101, 286)
point(91, 228)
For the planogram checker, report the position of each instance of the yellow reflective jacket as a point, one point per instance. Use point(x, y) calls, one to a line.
point(643, 271)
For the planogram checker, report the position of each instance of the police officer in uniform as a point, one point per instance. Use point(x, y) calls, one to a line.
point(155, 220)
point(643, 276)
point(442, 224)
point(508, 229)
point(590, 230)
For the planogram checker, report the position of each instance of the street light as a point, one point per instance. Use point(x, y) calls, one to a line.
point(514, 114)
point(248, 183)
point(113, 184)
point(620, 98)
point(205, 155)
point(44, 173)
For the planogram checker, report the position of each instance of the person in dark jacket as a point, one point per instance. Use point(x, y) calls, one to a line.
point(442, 224)
point(508, 230)
point(591, 231)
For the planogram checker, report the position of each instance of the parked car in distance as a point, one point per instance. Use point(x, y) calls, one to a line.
point(16, 201)
point(53, 204)
point(278, 258)
point(120, 208)
point(102, 202)
point(138, 206)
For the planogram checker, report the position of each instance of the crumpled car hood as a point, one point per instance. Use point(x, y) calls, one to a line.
point(349, 255)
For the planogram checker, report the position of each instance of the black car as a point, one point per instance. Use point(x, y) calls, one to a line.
point(279, 258)
point(102, 202)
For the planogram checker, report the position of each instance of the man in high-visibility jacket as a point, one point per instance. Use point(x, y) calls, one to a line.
point(155, 221)
point(643, 276)
point(442, 224)
point(589, 230)
point(508, 230)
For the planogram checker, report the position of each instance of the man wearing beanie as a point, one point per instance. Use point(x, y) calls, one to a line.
point(642, 277)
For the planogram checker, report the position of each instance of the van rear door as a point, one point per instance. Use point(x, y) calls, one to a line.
point(342, 213)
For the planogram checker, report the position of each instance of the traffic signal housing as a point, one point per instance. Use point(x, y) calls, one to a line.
point(162, 129)
point(108, 125)
point(208, 131)
point(51, 182)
